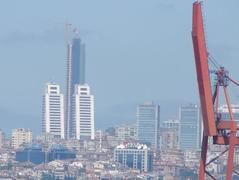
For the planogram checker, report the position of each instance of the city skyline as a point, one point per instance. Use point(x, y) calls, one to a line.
point(46, 39)
point(119, 90)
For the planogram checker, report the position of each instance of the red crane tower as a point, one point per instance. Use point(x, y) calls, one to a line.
point(223, 132)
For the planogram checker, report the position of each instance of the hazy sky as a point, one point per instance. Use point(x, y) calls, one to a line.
point(136, 50)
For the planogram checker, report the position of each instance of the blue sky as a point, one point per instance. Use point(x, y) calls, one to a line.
point(136, 50)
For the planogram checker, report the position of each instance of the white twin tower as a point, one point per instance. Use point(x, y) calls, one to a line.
point(70, 116)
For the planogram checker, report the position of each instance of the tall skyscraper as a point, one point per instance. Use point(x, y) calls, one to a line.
point(83, 113)
point(75, 75)
point(20, 137)
point(53, 111)
point(148, 124)
point(190, 127)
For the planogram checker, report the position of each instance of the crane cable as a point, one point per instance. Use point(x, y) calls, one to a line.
point(217, 66)
point(213, 61)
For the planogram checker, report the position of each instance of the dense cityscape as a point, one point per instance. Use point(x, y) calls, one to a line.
point(130, 151)
point(197, 142)
point(70, 147)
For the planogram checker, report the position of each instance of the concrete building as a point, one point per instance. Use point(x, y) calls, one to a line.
point(190, 127)
point(60, 152)
point(171, 124)
point(83, 113)
point(170, 135)
point(136, 156)
point(2, 137)
point(75, 75)
point(21, 136)
point(53, 111)
point(148, 124)
point(34, 153)
point(126, 132)
point(223, 109)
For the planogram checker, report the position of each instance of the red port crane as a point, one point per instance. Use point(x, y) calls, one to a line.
point(223, 132)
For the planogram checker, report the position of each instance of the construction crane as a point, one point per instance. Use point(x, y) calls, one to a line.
point(222, 132)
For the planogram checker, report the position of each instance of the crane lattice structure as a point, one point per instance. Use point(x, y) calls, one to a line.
point(222, 131)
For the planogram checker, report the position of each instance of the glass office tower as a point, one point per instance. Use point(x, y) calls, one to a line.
point(148, 124)
point(75, 75)
point(190, 127)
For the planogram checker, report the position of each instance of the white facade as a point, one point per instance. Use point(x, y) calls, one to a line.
point(21, 136)
point(136, 156)
point(225, 115)
point(83, 115)
point(53, 111)
point(224, 108)
point(171, 124)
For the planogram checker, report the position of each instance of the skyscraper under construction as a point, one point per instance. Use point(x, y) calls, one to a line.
point(75, 76)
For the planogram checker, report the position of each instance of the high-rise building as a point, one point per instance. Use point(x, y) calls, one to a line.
point(136, 156)
point(83, 113)
point(21, 136)
point(224, 111)
point(53, 111)
point(190, 127)
point(75, 75)
point(2, 137)
point(148, 124)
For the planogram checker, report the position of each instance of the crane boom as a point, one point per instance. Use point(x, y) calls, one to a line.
point(203, 78)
